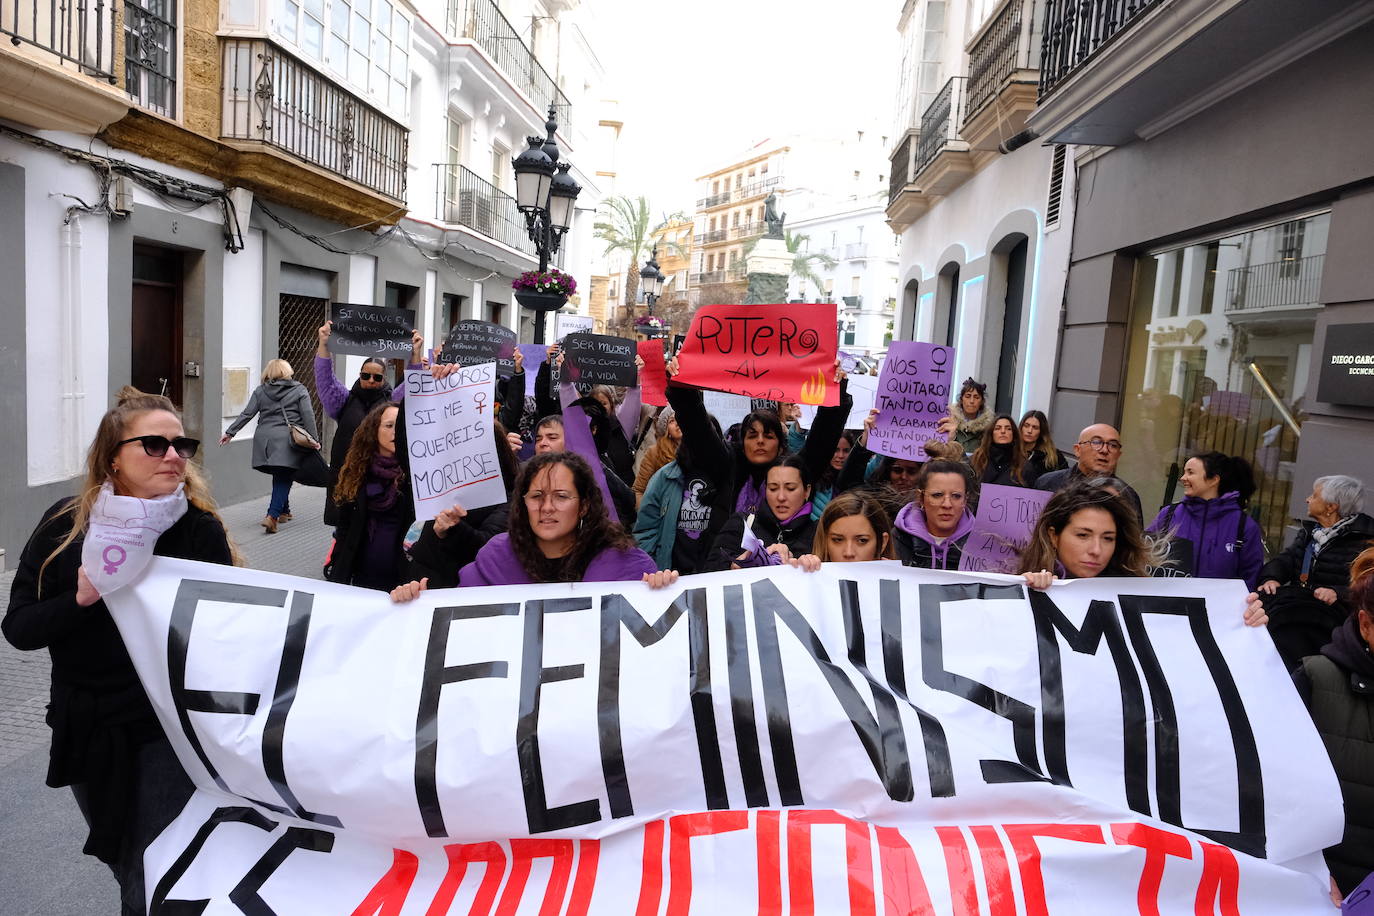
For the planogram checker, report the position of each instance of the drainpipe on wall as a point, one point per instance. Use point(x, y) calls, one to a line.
point(69, 345)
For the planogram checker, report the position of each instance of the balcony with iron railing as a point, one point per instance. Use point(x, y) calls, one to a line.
point(1289, 284)
point(483, 23)
point(942, 161)
point(464, 198)
point(714, 200)
point(271, 98)
point(731, 274)
point(708, 238)
point(1003, 72)
point(58, 68)
point(748, 230)
point(905, 202)
point(757, 188)
point(1075, 31)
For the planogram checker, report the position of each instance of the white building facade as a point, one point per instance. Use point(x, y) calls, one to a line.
point(985, 231)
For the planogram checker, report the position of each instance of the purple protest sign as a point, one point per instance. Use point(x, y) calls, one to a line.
point(1002, 529)
point(534, 354)
point(913, 396)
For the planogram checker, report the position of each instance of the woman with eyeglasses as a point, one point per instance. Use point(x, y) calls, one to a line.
point(278, 402)
point(559, 532)
point(930, 531)
point(347, 406)
point(107, 744)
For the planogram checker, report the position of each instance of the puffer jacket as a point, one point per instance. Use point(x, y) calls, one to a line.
point(1227, 543)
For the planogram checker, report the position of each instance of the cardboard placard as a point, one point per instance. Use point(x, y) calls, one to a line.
point(370, 330)
point(448, 432)
point(599, 359)
point(913, 396)
point(567, 323)
point(472, 341)
point(653, 378)
point(1002, 529)
point(783, 352)
point(535, 355)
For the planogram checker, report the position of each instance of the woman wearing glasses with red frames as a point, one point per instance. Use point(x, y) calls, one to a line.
point(107, 743)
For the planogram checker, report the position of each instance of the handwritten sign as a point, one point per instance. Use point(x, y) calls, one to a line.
point(913, 396)
point(599, 359)
point(565, 324)
point(471, 341)
point(448, 432)
point(653, 379)
point(863, 389)
point(728, 409)
point(370, 330)
point(779, 352)
point(535, 354)
point(1002, 529)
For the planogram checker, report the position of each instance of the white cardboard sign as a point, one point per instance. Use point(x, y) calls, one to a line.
point(448, 434)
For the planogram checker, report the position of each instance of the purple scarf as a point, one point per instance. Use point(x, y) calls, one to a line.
point(805, 510)
point(750, 496)
point(382, 485)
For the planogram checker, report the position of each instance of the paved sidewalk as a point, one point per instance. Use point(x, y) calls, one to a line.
point(42, 870)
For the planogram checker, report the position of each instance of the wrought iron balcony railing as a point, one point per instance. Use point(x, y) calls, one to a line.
point(900, 174)
point(748, 230)
point(940, 122)
point(715, 200)
point(462, 197)
point(150, 54)
point(729, 275)
point(856, 251)
point(1011, 42)
point(1076, 30)
point(1296, 281)
point(757, 188)
point(81, 33)
point(271, 97)
point(482, 22)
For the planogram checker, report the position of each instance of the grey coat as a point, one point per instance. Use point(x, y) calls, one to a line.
point(272, 447)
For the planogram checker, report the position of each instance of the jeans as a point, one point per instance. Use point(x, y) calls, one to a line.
point(281, 491)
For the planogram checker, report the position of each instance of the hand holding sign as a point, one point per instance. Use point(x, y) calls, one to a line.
point(470, 342)
point(371, 330)
point(913, 396)
point(779, 352)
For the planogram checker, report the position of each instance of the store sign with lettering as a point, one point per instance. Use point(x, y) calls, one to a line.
point(1347, 367)
point(778, 352)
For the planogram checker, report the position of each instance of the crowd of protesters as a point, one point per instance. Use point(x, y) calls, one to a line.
point(663, 492)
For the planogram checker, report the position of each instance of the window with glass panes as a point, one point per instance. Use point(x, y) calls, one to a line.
point(367, 43)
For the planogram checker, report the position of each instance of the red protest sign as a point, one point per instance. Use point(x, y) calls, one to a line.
point(653, 378)
point(783, 352)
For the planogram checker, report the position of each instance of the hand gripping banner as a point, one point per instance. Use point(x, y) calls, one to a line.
point(867, 739)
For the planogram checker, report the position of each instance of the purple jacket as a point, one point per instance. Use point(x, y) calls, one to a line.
point(916, 547)
point(496, 564)
point(1212, 525)
point(332, 392)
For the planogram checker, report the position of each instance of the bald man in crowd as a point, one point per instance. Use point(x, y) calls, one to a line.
point(1098, 450)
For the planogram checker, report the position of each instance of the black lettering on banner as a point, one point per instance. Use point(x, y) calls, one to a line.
point(1250, 837)
point(1099, 623)
point(190, 593)
point(245, 894)
point(775, 697)
point(533, 676)
point(1021, 715)
point(436, 675)
point(617, 612)
point(159, 905)
point(742, 699)
point(939, 767)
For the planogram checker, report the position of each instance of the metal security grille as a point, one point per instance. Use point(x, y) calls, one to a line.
point(298, 320)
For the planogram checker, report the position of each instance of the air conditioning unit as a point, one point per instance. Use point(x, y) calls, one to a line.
point(475, 210)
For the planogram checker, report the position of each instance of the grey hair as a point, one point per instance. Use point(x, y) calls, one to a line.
point(1346, 492)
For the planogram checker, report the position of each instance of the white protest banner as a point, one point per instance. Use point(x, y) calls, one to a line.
point(728, 409)
point(744, 742)
point(863, 389)
point(448, 435)
point(566, 323)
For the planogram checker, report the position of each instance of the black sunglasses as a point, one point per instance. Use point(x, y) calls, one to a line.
point(156, 446)
point(371, 376)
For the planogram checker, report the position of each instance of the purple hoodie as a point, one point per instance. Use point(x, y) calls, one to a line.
point(1212, 524)
point(921, 547)
point(496, 564)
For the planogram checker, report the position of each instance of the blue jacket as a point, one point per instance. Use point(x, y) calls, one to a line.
point(1212, 526)
point(656, 526)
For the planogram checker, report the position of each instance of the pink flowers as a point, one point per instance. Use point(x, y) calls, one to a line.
point(552, 281)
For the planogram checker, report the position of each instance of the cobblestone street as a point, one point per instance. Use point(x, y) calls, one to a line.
point(42, 870)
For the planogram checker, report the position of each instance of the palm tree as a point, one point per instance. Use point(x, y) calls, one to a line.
point(625, 226)
point(803, 261)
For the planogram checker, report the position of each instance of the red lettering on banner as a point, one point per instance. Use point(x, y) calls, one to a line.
point(522, 853)
point(1220, 882)
point(681, 829)
point(904, 887)
point(588, 857)
point(651, 876)
point(1023, 837)
point(459, 855)
point(996, 871)
point(1158, 845)
point(858, 859)
point(767, 843)
point(389, 894)
point(962, 890)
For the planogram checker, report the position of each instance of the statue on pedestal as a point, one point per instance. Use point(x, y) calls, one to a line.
point(771, 217)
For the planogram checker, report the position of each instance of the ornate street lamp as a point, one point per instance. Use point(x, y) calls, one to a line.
point(546, 194)
point(651, 280)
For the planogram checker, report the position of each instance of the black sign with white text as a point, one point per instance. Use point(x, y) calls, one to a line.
point(1347, 368)
point(370, 330)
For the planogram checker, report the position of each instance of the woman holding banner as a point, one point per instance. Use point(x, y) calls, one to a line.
point(1087, 530)
point(107, 743)
point(782, 528)
point(853, 528)
point(375, 507)
point(930, 531)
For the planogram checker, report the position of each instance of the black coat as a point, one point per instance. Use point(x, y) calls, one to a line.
point(352, 540)
point(1055, 481)
point(358, 405)
point(798, 536)
point(99, 714)
point(440, 558)
point(999, 471)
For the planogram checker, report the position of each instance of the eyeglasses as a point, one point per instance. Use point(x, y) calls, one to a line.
point(371, 376)
point(1098, 445)
point(559, 498)
point(940, 499)
point(156, 446)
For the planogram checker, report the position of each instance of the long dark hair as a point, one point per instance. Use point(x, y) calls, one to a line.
point(1044, 444)
point(1235, 473)
point(360, 453)
point(983, 453)
point(1132, 553)
point(596, 531)
point(771, 423)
